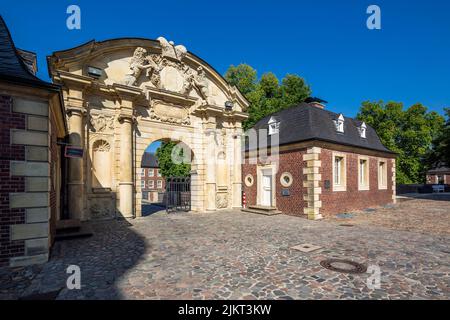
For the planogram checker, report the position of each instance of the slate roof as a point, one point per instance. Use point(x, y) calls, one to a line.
point(305, 122)
point(12, 67)
point(149, 160)
point(439, 168)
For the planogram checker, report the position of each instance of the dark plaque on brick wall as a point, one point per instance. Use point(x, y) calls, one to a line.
point(327, 184)
point(285, 192)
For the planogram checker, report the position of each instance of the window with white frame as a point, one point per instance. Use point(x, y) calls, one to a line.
point(158, 172)
point(274, 126)
point(339, 173)
point(142, 184)
point(363, 174)
point(143, 172)
point(339, 123)
point(151, 173)
point(362, 130)
point(159, 184)
point(382, 174)
point(151, 184)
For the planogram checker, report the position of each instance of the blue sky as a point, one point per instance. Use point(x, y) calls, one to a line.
point(324, 41)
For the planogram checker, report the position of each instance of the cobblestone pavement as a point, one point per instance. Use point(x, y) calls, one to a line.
point(234, 255)
point(424, 213)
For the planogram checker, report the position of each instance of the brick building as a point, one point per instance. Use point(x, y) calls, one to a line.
point(318, 163)
point(152, 182)
point(438, 175)
point(31, 122)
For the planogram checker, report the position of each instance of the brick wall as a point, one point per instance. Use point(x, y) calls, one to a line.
point(310, 168)
point(250, 191)
point(291, 162)
point(25, 189)
point(433, 178)
point(9, 120)
point(155, 179)
point(353, 199)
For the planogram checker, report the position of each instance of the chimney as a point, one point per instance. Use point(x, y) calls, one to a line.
point(316, 102)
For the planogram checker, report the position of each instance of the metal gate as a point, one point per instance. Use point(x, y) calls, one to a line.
point(178, 194)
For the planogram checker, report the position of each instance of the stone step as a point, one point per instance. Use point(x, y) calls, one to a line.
point(263, 211)
point(67, 224)
point(74, 233)
point(265, 208)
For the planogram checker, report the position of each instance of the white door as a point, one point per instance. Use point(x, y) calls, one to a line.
point(266, 195)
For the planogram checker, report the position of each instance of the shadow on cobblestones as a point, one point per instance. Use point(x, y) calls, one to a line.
point(103, 259)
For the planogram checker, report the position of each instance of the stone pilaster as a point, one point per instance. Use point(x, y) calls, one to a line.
point(394, 191)
point(126, 162)
point(311, 183)
point(237, 167)
point(210, 158)
point(76, 184)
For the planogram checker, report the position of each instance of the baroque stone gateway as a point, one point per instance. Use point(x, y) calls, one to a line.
point(121, 95)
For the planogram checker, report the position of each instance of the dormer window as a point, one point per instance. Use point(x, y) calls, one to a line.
point(274, 126)
point(362, 130)
point(339, 123)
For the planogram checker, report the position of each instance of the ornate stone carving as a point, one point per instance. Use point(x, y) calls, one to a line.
point(101, 122)
point(139, 62)
point(168, 112)
point(196, 81)
point(171, 51)
point(221, 201)
point(101, 146)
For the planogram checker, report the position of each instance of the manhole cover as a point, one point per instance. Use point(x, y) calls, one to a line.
point(343, 266)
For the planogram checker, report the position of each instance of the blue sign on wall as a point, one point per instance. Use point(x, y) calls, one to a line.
point(73, 152)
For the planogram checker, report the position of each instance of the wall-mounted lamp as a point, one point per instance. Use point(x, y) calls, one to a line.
point(229, 105)
point(94, 72)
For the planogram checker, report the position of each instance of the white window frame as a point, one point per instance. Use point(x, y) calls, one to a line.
point(142, 184)
point(158, 173)
point(339, 123)
point(151, 173)
point(151, 184)
point(159, 184)
point(382, 174)
point(342, 185)
point(274, 126)
point(363, 173)
point(362, 130)
point(142, 172)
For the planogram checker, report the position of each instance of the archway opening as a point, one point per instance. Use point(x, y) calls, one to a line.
point(166, 168)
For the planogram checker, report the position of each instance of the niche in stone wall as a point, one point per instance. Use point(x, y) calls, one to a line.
point(101, 164)
point(222, 170)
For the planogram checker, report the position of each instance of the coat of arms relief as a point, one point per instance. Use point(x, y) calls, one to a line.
point(169, 64)
point(168, 71)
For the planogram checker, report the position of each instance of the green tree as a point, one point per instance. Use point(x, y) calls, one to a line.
point(293, 90)
point(266, 96)
point(168, 167)
point(440, 153)
point(242, 76)
point(408, 132)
